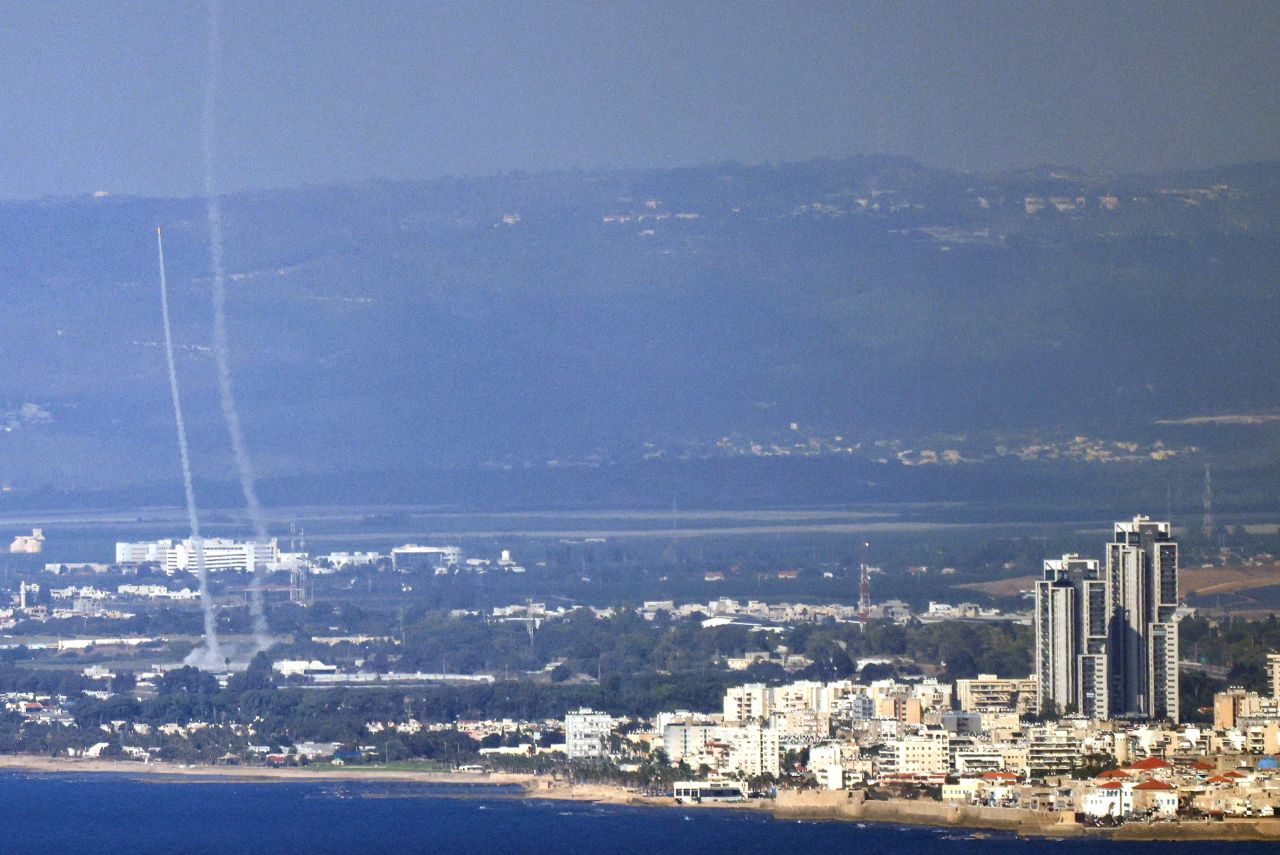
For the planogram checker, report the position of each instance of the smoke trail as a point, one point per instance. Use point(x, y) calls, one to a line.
point(211, 655)
point(226, 396)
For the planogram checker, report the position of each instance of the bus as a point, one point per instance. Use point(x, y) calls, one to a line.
point(695, 792)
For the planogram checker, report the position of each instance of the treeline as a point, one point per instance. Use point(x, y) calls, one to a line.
point(1239, 645)
point(285, 716)
point(628, 644)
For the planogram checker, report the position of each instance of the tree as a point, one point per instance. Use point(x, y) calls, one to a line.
point(187, 680)
point(124, 682)
point(259, 676)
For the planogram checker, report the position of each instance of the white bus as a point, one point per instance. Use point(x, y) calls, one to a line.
point(694, 792)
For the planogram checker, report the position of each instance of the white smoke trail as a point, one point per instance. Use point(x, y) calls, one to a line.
point(211, 655)
point(226, 395)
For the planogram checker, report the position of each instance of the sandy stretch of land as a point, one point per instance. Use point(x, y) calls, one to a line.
point(264, 774)
point(842, 806)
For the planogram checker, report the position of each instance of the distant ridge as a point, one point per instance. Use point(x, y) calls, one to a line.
point(523, 317)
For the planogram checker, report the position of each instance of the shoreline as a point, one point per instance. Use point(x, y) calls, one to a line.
point(259, 774)
point(831, 806)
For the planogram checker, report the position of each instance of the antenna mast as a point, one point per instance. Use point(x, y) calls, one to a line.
point(1208, 504)
point(864, 583)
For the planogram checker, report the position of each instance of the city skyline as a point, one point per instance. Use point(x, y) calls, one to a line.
point(521, 425)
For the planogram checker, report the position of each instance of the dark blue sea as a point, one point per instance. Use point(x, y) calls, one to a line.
point(118, 814)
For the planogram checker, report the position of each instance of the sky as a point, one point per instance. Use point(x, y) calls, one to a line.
point(106, 96)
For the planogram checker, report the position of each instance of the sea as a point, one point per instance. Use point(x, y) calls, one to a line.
point(122, 814)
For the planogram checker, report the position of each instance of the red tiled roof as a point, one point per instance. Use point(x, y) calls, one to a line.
point(1154, 785)
point(1233, 774)
point(1112, 785)
point(1151, 763)
point(1219, 779)
point(1114, 773)
point(999, 776)
point(1203, 766)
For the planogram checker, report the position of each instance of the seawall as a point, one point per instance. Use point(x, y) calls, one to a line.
point(852, 805)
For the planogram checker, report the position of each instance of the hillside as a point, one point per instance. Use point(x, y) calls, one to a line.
point(515, 319)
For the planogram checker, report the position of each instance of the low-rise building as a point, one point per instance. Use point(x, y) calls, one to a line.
point(989, 693)
point(414, 557)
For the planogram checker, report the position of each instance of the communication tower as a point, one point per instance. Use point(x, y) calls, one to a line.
point(864, 583)
point(1208, 504)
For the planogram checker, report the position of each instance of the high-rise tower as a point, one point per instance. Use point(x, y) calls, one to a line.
point(1106, 640)
point(1142, 576)
point(1072, 613)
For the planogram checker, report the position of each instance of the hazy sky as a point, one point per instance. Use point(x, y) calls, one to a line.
point(106, 95)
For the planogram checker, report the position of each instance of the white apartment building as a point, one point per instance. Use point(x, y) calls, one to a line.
point(926, 753)
point(801, 695)
point(801, 723)
point(989, 693)
point(750, 702)
point(756, 701)
point(685, 741)
point(1053, 748)
point(753, 751)
point(586, 733)
point(746, 750)
point(832, 763)
point(974, 759)
point(854, 706)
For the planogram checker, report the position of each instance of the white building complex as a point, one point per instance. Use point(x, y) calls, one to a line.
point(181, 556)
point(414, 557)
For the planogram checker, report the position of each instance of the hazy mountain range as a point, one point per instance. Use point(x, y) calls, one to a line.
point(520, 318)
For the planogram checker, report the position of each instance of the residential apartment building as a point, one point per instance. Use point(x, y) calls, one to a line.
point(1071, 621)
point(1106, 640)
point(751, 702)
point(746, 750)
point(989, 693)
point(586, 734)
point(1142, 646)
point(920, 755)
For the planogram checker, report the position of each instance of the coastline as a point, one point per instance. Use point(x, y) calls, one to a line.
point(837, 806)
point(178, 773)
